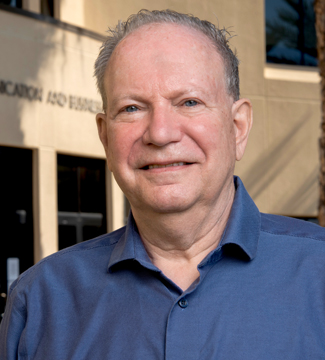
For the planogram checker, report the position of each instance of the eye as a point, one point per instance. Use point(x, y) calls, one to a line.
point(130, 109)
point(190, 103)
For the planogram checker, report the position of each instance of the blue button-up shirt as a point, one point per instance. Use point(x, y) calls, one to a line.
point(260, 295)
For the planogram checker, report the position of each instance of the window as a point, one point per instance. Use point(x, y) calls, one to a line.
point(290, 32)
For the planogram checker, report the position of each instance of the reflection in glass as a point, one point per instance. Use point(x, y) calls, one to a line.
point(290, 32)
point(13, 3)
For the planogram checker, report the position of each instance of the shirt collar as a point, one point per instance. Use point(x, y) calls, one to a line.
point(241, 234)
point(130, 247)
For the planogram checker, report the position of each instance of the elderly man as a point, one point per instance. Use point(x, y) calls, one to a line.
point(198, 272)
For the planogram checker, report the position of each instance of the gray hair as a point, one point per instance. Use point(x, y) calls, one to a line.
point(219, 37)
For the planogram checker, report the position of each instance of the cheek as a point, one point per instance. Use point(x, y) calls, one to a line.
point(211, 135)
point(216, 138)
point(121, 139)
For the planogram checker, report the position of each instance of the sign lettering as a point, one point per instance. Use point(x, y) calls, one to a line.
point(21, 90)
point(34, 93)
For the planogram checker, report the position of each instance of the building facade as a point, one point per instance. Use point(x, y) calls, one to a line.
point(55, 187)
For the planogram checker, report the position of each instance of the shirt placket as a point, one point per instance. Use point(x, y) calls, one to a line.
point(182, 330)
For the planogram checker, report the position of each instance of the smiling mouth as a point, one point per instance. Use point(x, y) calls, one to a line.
point(156, 166)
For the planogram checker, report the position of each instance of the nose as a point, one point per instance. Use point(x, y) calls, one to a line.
point(163, 127)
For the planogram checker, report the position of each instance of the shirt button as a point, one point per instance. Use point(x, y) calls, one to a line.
point(183, 303)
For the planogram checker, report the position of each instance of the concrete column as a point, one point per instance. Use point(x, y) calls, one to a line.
point(57, 9)
point(32, 5)
point(71, 12)
point(117, 205)
point(109, 207)
point(45, 202)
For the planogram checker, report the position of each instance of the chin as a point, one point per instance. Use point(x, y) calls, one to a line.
point(170, 205)
point(164, 199)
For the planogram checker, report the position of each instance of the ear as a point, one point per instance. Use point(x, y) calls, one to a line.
point(242, 114)
point(102, 128)
point(101, 120)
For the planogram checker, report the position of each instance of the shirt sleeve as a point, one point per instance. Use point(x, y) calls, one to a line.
point(11, 327)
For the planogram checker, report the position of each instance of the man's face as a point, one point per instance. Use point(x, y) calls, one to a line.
point(169, 131)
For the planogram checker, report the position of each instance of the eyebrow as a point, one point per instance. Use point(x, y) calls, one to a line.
point(131, 97)
point(174, 94)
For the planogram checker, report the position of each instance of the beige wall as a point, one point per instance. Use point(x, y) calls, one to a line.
point(280, 167)
point(41, 55)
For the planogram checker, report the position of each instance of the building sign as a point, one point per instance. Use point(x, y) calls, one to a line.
point(21, 90)
point(34, 93)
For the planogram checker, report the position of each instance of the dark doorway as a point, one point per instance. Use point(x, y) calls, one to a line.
point(81, 199)
point(47, 7)
point(16, 215)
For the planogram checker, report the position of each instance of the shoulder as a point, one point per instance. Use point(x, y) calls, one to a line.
point(289, 227)
point(72, 260)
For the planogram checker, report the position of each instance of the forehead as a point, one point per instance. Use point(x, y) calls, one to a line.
point(169, 50)
point(168, 34)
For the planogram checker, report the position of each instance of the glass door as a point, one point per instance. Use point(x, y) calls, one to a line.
point(81, 199)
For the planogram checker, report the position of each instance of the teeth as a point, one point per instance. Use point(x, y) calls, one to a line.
point(168, 165)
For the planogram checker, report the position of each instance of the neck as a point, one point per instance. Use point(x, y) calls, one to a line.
point(178, 242)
